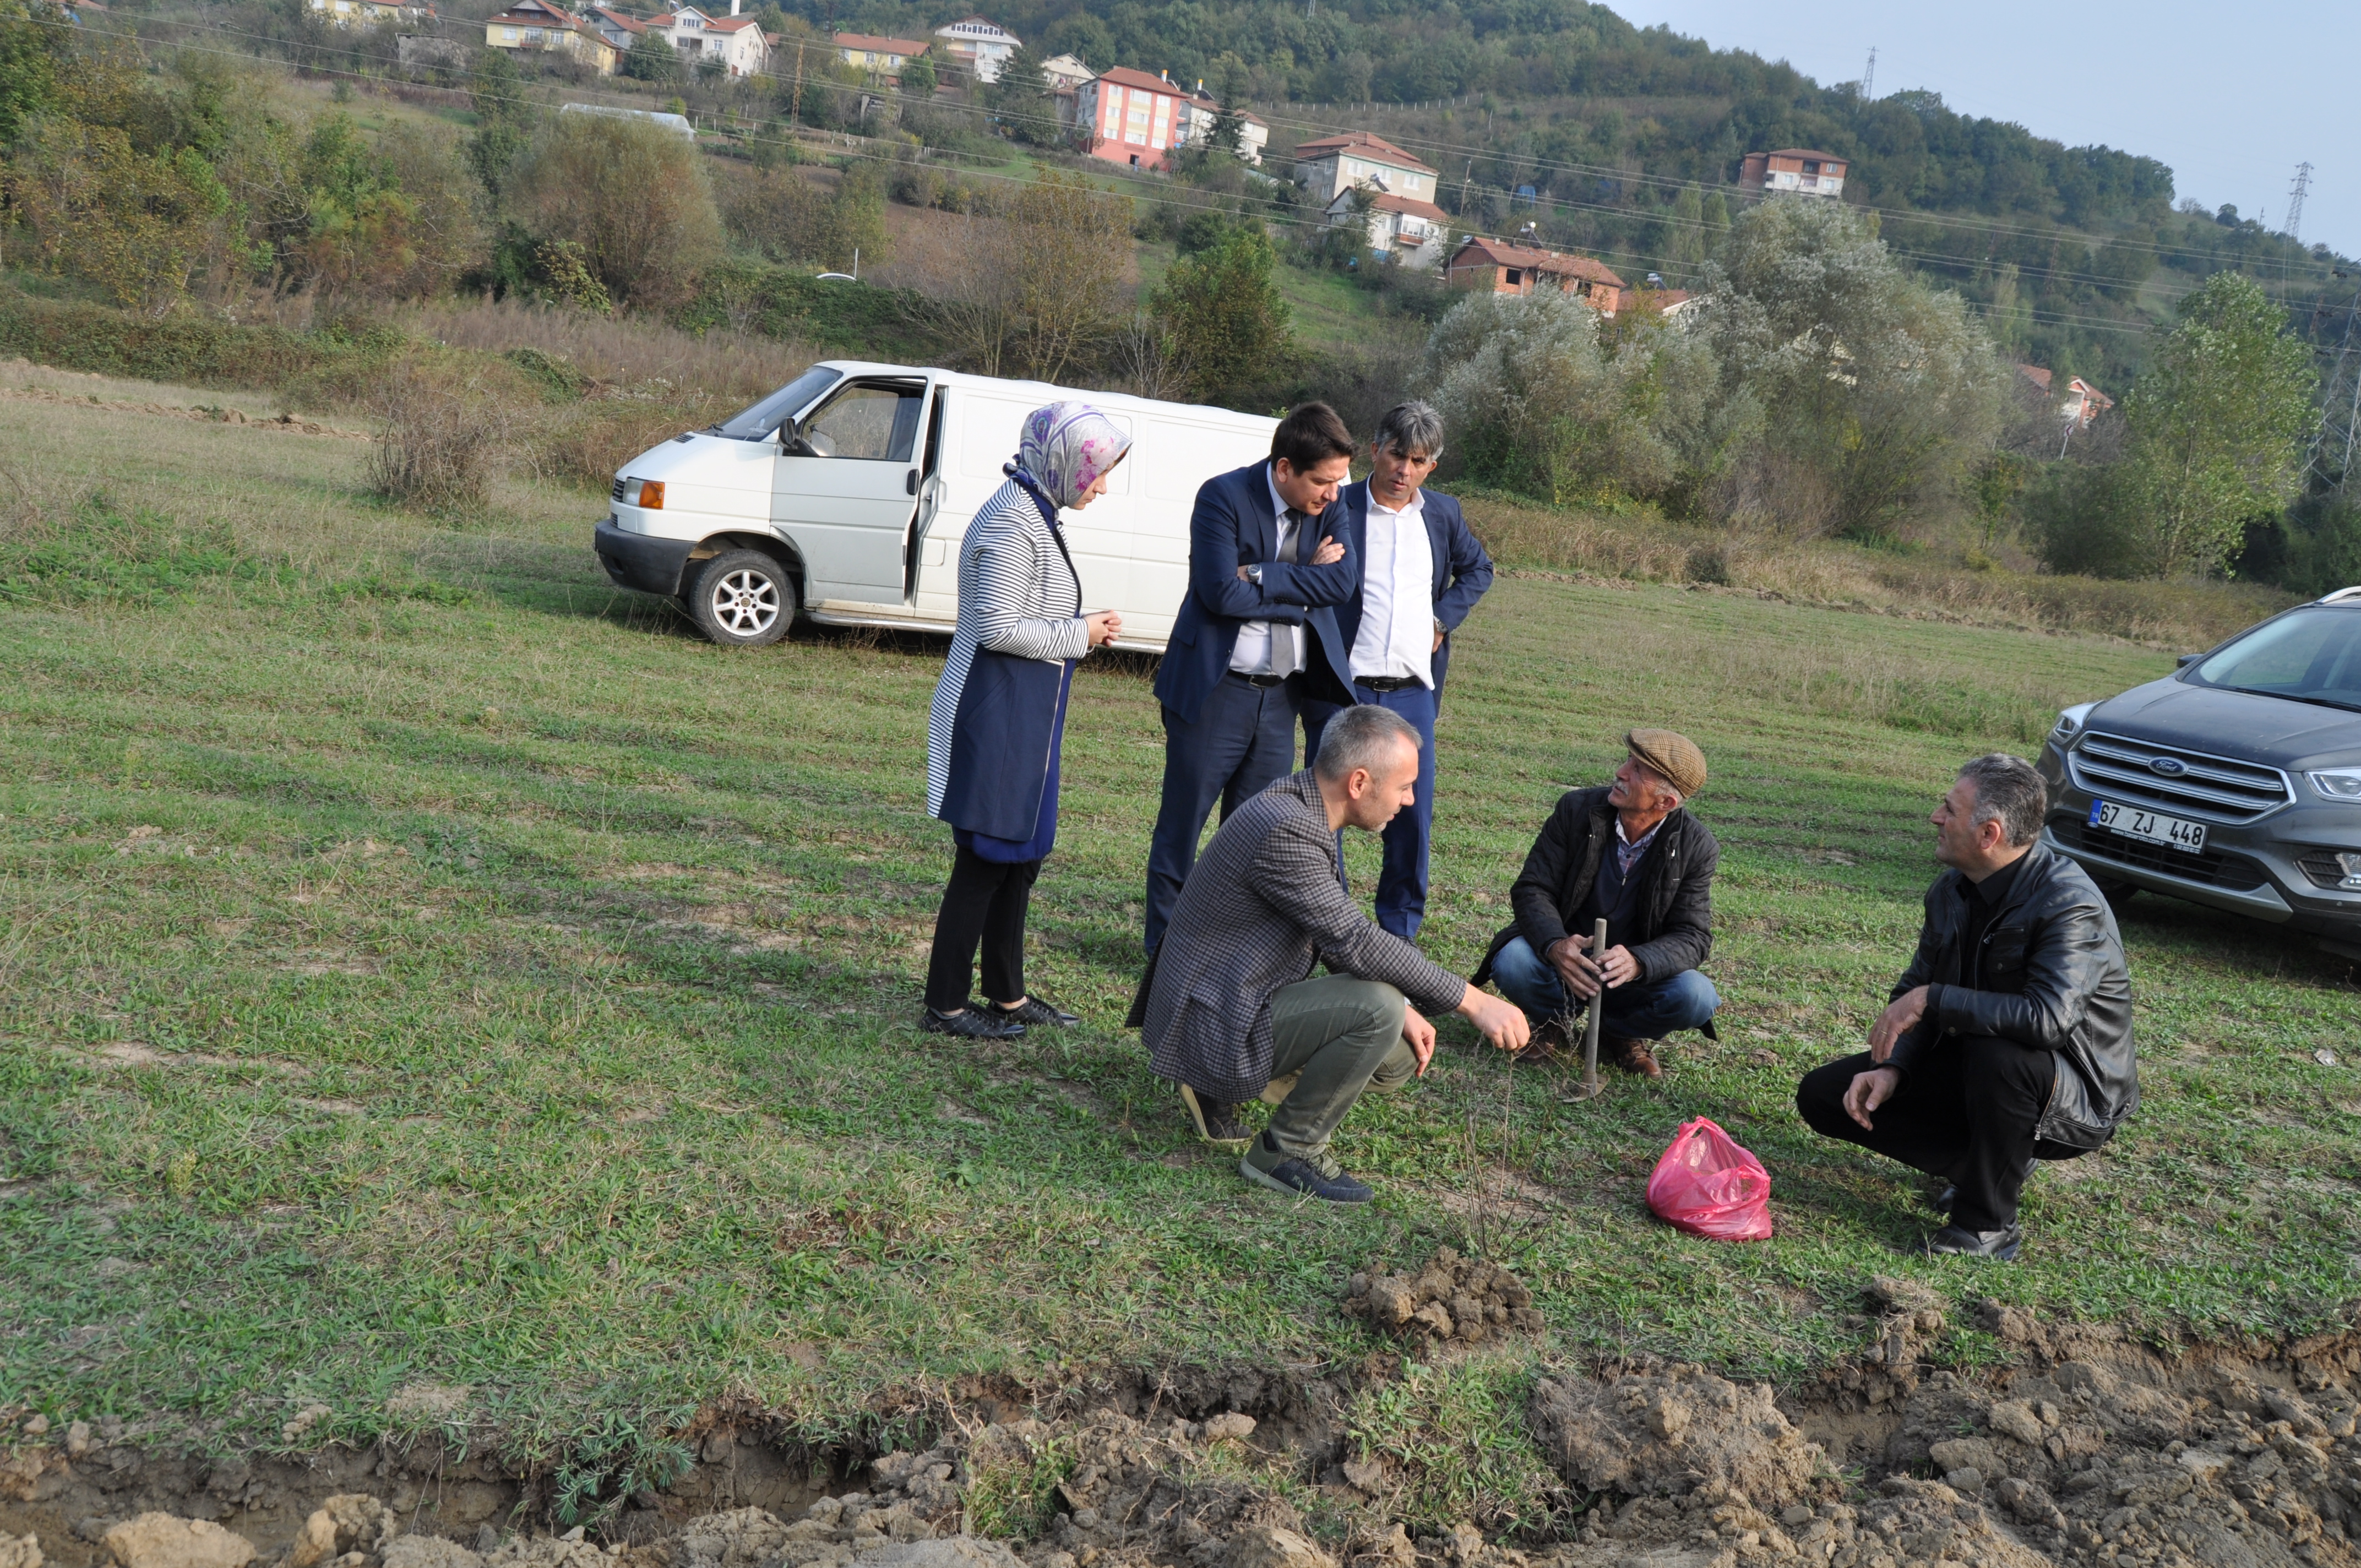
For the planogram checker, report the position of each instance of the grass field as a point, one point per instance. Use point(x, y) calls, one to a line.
point(424, 963)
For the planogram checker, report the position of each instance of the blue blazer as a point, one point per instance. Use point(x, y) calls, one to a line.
point(1462, 572)
point(1234, 526)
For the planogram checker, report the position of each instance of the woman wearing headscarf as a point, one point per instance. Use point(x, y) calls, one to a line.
point(999, 715)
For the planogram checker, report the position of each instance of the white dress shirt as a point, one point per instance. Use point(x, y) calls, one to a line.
point(1396, 640)
point(1252, 653)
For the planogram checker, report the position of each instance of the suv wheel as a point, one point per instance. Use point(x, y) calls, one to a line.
point(742, 598)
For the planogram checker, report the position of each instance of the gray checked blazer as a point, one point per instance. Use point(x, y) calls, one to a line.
point(1264, 902)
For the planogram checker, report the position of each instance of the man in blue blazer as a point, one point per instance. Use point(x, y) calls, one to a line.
point(1422, 572)
point(1266, 565)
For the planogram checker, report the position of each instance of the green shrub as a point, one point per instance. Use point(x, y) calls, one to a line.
point(182, 348)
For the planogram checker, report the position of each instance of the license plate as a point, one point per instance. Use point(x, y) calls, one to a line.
point(2133, 823)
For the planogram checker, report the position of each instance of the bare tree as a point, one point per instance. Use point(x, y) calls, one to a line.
point(1149, 360)
point(1040, 293)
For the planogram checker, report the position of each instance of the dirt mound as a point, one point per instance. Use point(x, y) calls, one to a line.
point(1673, 1433)
point(1453, 1297)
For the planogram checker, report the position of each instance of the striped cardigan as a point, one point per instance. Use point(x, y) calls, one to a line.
point(1016, 596)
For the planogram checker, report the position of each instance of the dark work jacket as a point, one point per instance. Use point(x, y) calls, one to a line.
point(2051, 977)
point(1462, 572)
point(1234, 526)
point(1672, 920)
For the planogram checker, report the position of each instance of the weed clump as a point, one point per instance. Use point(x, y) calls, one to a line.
point(447, 430)
point(102, 551)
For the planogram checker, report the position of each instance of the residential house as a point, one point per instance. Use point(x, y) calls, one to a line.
point(1066, 73)
point(2078, 405)
point(1334, 165)
point(1411, 231)
point(885, 56)
point(616, 27)
point(1796, 168)
point(1506, 267)
point(1200, 111)
point(978, 46)
point(705, 38)
point(533, 26)
point(1129, 116)
point(369, 13)
point(421, 51)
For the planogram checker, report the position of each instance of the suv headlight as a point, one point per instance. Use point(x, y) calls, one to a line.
point(2070, 724)
point(2337, 784)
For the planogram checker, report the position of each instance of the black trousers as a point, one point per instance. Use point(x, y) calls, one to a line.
point(985, 904)
point(1967, 1114)
point(1243, 739)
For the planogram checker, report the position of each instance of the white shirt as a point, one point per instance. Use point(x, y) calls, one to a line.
point(1396, 640)
point(1250, 655)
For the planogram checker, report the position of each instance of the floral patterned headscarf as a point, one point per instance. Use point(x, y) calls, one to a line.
point(1064, 448)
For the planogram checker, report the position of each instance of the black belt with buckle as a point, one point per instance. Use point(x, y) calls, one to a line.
point(1387, 682)
point(1265, 682)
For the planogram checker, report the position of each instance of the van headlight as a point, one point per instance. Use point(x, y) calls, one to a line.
point(648, 493)
point(2336, 784)
point(2070, 724)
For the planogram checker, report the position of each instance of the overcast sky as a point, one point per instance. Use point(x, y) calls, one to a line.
point(2233, 98)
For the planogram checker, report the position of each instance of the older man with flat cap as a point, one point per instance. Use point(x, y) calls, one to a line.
point(1628, 852)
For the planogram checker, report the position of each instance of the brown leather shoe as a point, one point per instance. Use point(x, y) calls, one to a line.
point(1633, 1055)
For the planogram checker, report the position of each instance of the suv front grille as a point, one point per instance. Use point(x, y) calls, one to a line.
point(2235, 872)
point(2221, 788)
point(619, 488)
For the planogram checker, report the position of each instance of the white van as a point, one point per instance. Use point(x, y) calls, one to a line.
point(844, 495)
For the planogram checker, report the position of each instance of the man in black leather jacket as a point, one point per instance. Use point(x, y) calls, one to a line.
point(2009, 1038)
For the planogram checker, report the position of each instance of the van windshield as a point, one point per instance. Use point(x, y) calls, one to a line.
point(762, 421)
point(2307, 655)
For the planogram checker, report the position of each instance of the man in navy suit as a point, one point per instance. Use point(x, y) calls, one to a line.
point(1422, 572)
point(1266, 565)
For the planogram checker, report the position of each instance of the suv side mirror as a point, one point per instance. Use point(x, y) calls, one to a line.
point(2186, 660)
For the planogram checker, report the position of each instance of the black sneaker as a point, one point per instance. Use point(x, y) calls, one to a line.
point(1035, 1009)
point(1952, 1242)
point(1325, 1179)
point(971, 1023)
point(1215, 1121)
point(1949, 1199)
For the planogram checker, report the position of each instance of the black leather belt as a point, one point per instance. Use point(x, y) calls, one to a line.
point(1265, 682)
point(1387, 682)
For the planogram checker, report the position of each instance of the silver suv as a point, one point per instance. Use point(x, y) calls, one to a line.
point(2235, 782)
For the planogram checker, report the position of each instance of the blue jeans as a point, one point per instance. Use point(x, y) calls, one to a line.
point(1643, 1009)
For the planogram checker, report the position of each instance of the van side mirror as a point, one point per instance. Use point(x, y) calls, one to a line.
point(792, 442)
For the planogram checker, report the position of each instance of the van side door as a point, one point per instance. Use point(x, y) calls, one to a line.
point(845, 490)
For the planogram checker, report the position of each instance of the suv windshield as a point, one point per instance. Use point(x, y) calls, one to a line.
point(2311, 654)
point(762, 421)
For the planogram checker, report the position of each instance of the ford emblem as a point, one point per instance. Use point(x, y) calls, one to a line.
point(2170, 767)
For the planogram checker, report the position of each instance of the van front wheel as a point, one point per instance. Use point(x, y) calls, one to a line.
point(742, 598)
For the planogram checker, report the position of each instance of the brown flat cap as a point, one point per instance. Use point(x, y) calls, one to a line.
point(1673, 755)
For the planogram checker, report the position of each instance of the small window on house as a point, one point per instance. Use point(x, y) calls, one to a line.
point(1516, 277)
point(1811, 166)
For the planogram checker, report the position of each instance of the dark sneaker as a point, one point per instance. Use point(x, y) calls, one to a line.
point(1631, 1056)
point(1035, 1009)
point(1322, 1178)
point(1952, 1242)
point(1949, 1199)
point(1215, 1121)
point(971, 1023)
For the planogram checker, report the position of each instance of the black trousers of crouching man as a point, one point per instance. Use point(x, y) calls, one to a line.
point(1966, 1113)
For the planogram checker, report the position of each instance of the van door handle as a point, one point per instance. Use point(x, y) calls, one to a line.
point(910, 485)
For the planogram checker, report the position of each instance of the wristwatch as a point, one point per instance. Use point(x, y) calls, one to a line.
point(1254, 574)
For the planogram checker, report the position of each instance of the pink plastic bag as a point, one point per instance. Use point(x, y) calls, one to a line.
point(1708, 1186)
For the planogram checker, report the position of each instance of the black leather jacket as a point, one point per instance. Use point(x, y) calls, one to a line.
point(2051, 977)
point(1673, 923)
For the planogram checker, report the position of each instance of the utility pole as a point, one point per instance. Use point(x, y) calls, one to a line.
point(1869, 78)
point(2295, 202)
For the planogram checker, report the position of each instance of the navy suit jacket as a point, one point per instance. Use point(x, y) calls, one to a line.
point(1234, 526)
point(1462, 572)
